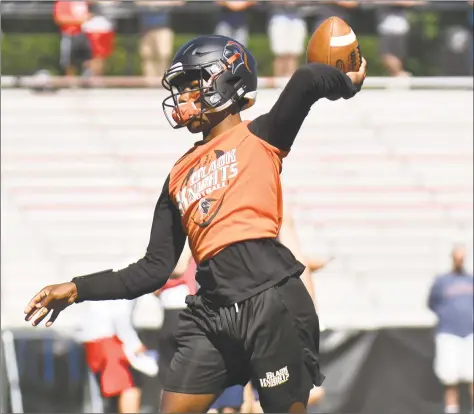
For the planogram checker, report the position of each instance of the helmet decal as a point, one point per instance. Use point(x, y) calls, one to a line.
point(235, 55)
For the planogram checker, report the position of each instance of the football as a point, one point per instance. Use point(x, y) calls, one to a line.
point(335, 43)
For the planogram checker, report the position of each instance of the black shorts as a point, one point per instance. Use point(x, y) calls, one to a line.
point(75, 50)
point(271, 339)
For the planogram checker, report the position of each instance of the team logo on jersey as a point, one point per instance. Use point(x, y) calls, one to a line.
point(204, 206)
point(210, 175)
point(206, 211)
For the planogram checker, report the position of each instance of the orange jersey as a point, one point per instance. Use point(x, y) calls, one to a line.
point(228, 190)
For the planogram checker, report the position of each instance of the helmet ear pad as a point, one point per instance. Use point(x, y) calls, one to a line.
point(228, 86)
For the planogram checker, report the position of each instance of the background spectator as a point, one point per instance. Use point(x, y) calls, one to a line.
point(451, 299)
point(156, 36)
point(455, 57)
point(100, 31)
point(232, 20)
point(393, 28)
point(75, 51)
point(115, 354)
point(289, 238)
point(287, 32)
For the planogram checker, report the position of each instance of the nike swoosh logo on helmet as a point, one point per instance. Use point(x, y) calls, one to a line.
point(195, 52)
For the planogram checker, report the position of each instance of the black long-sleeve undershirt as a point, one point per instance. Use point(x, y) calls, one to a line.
point(278, 127)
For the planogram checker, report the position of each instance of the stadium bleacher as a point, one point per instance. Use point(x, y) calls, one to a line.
point(383, 182)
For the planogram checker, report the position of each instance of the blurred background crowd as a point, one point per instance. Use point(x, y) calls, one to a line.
point(124, 38)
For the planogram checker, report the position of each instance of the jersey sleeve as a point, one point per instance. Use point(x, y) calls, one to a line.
point(278, 152)
point(151, 272)
point(308, 84)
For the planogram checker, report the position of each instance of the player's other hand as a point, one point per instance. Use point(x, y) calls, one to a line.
point(358, 77)
point(53, 298)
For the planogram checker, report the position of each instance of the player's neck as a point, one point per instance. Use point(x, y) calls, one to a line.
point(229, 122)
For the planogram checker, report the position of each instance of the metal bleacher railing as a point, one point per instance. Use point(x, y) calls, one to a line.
point(449, 83)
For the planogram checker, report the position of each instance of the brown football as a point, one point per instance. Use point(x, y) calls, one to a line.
point(334, 43)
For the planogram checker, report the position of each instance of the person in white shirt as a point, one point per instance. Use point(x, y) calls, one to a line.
point(287, 33)
point(115, 354)
point(451, 299)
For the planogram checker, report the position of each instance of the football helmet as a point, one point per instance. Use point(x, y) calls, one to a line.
point(209, 74)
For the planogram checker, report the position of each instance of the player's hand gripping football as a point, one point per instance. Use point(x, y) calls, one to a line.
point(358, 77)
point(53, 298)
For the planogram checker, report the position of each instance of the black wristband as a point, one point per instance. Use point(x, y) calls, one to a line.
point(104, 285)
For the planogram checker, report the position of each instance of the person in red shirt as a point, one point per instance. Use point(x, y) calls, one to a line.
point(75, 50)
point(115, 354)
point(252, 318)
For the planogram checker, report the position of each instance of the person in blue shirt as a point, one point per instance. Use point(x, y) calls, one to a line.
point(156, 35)
point(233, 20)
point(451, 299)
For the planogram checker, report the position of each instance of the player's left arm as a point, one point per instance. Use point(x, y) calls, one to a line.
point(181, 267)
point(310, 83)
point(183, 263)
point(289, 238)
